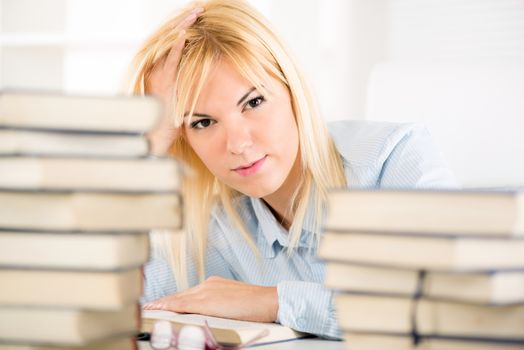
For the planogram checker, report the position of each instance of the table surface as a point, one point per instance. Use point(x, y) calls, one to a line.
point(302, 344)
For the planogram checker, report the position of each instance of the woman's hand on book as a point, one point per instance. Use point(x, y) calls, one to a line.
point(225, 298)
point(161, 83)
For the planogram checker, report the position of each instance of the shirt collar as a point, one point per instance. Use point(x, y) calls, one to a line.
point(271, 232)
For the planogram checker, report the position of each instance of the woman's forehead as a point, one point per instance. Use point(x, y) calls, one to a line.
point(227, 78)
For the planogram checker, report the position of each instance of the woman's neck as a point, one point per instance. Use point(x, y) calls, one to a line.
point(279, 201)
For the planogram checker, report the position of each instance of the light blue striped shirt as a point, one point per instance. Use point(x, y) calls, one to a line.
point(375, 155)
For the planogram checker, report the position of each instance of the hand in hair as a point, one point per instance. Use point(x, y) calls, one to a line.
point(225, 298)
point(161, 83)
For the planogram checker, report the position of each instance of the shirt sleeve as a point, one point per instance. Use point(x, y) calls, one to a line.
point(159, 279)
point(413, 161)
point(307, 307)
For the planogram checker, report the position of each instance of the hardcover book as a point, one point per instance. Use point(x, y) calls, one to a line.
point(477, 213)
point(68, 173)
point(73, 250)
point(50, 111)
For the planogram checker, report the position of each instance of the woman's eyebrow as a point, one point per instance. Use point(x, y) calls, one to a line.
point(246, 95)
point(201, 115)
point(198, 115)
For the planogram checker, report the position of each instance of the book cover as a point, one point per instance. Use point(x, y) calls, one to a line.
point(115, 343)
point(100, 251)
point(493, 287)
point(397, 315)
point(461, 212)
point(101, 174)
point(26, 141)
point(94, 290)
point(46, 110)
point(423, 252)
point(96, 211)
point(66, 327)
point(370, 341)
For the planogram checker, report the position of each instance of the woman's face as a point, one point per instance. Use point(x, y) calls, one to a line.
point(249, 141)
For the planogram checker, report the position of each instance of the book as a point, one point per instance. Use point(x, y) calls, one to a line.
point(95, 290)
point(367, 341)
point(117, 343)
point(422, 252)
point(397, 315)
point(56, 143)
point(226, 331)
point(73, 251)
point(53, 111)
point(67, 327)
point(481, 213)
point(97, 211)
point(495, 287)
point(138, 175)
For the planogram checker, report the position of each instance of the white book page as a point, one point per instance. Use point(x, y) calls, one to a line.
point(213, 322)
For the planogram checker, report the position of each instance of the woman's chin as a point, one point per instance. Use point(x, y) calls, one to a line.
point(257, 190)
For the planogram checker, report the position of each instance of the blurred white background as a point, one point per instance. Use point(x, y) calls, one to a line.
point(455, 65)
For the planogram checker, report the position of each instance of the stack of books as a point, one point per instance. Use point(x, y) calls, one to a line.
point(78, 196)
point(427, 269)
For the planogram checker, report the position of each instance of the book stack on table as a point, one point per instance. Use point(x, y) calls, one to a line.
point(427, 269)
point(78, 196)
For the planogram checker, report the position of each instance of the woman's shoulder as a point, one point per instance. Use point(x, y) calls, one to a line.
point(384, 154)
point(366, 143)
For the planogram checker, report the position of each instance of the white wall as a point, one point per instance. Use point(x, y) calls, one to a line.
point(85, 46)
point(458, 67)
point(75, 46)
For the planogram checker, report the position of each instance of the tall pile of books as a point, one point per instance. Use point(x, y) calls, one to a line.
point(427, 269)
point(78, 196)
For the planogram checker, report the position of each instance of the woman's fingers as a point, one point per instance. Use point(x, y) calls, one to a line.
point(167, 66)
point(162, 76)
point(189, 19)
point(170, 64)
point(172, 303)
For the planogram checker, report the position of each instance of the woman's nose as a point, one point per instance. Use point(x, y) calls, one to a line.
point(238, 138)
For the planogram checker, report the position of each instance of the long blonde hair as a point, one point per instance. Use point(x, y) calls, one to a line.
point(232, 30)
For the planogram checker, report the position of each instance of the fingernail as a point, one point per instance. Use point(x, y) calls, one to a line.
point(197, 10)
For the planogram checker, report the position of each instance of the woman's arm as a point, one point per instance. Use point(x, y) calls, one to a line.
point(412, 161)
point(161, 83)
point(223, 297)
point(221, 294)
point(308, 307)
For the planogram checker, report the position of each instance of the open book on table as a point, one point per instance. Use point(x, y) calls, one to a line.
point(226, 331)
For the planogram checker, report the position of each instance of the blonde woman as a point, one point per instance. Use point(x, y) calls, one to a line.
point(240, 114)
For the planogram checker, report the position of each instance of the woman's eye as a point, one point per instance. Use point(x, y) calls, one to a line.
point(255, 102)
point(201, 124)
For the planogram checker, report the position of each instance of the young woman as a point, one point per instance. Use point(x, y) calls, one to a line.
point(240, 114)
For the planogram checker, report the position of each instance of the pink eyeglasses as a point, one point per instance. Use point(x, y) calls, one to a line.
point(165, 337)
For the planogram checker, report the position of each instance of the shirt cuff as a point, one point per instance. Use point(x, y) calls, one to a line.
point(307, 307)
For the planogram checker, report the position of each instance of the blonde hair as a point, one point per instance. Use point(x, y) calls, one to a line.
point(232, 30)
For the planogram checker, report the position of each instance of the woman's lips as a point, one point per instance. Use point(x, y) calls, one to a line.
point(251, 168)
